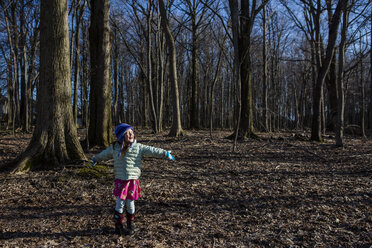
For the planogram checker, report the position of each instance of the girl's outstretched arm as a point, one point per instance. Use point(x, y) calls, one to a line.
point(150, 151)
point(104, 155)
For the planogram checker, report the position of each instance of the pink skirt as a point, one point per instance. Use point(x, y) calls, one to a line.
point(127, 189)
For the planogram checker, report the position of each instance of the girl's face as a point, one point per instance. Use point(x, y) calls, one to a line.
point(129, 136)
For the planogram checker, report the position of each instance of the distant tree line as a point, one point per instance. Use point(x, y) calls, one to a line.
point(246, 65)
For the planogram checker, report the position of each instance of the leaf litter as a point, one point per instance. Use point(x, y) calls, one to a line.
point(277, 191)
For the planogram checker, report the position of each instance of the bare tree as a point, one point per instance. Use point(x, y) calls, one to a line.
point(323, 69)
point(176, 129)
point(54, 140)
point(340, 79)
point(264, 73)
point(249, 12)
point(13, 37)
point(197, 14)
point(79, 8)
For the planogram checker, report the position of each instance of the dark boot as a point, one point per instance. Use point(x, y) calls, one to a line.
point(119, 221)
point(130, 223)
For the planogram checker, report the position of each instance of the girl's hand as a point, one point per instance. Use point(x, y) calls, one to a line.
point(170, 156)
point(94, 162)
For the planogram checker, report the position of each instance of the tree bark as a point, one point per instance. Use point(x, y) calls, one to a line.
point(212, 95)
point(363, 101)
point(16, 117)
point(100, 132)
point(13, 86)
point(340, 80)
point(23, 67)
point(115, 111)
point(176, 129)
point(194, 109)
point(161, 72)
point(149, 70)
point(370, 83)
point(10, 96)
point(32, 70)
point(248, 16)
point(322, 72)
point(79, 15)
point(264, 76)
point(54, 140)
point(331, 83)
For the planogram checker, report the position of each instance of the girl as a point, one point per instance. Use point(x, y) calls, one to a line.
point(127, 155)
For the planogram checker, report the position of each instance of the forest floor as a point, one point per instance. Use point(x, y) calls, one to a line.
point(278, 191)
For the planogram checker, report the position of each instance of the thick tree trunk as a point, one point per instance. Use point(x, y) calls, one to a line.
point(100, 132)
point(54, 140)
point(246, 24)
point(176, 129)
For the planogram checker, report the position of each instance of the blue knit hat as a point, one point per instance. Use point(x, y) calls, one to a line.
point(120, 131)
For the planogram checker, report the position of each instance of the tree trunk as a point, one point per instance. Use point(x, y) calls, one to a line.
point(85, 79)
point(363, 101)
point(23, 64)
point(296, 113)
point(212, 95)
point(340, 80)
point(13, 85)
point(264, 76)
point(10, 96)
point(149, 70)
point(370, 83)
point(248, 16)
point(322, 72)
point(54, 140)
point(100, 132)
point(115, 113)
point(194, 110)
point(161, 73)
point(32, 71)
point(331, 83)
point(17, 117)
point(79, 15)
point(233, 4)
point(176, 129)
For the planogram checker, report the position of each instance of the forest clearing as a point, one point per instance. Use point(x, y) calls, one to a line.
point(281, 190)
